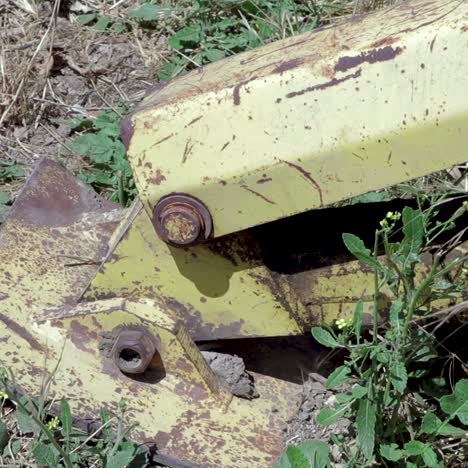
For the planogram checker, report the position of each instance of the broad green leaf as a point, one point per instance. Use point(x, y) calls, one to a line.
point(395, 320)
point(337, 377)
point(86, 19)
point(147, 12)
point(97, 147)
point(430, 457)
point(316, 452)
point(187, 35)
point(365, 425)
point(118, 27)
point(398, 376)
point(358, 249)
point(121, 459)
point(329, 416)
point(456, 404)
point(102, 23)
point(325, 338)
point(391, 452)
point(358, 391)
point(431, 424)
point(344, 397)
point(4, 198)
point(46, 455)
point(4, 435)
point(424, 353)
point(214, 55)
point(413, 230)
point(25, 422)
point(4, 209)
point(415, 447)
point(297, 458)
point(66, 419)
point(357, 319)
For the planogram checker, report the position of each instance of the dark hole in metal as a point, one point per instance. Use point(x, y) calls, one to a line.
point(129, 357)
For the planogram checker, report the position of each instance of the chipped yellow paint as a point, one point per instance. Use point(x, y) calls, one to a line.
point(216, 296)
point(311, 120)
point(50, 248)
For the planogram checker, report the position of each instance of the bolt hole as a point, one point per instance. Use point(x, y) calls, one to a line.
point(129, 358)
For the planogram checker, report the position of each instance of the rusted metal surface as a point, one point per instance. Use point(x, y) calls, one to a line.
point(310, 120)
point(190, 417)
point(133, 350)
point(182, 220)
point(279, 279)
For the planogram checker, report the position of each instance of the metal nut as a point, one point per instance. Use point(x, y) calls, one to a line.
point(133, 351)
point(182, 220)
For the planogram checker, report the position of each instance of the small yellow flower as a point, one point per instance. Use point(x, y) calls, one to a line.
point(342, 323)
point(53, 424)
point(464, 273)
point(3, 396)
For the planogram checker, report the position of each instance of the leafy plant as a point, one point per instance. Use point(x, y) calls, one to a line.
point(203, 31)
point(101, 145)
point(102, 23)
point(309, 454)
point(383, 391)
point(56, 442)
point(4, 205)
point(10, 171)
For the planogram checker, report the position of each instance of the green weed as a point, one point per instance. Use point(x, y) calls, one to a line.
point(100, 144)
point(212, 30)
point(398, 418)
point(55, 440)
point(9, 172)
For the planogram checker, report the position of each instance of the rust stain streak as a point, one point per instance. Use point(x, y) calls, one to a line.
point(225, 145)
point(288, 65)
point(358, 156)
point(162, 140)
point(431, 47)
point(389, 157)
point(22, 332)
point(187, 151)
point(237, 88)
point(258, 195)
point(373, 56)
point(194, 120)
point(328, 84)
point(264, 181)
point(157, 178)
point(308, 176)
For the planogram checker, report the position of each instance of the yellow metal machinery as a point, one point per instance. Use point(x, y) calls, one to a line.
point(231, 237)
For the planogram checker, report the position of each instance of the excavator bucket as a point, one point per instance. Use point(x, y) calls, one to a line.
point(232, 234)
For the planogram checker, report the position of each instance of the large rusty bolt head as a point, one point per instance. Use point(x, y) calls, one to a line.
point(133, 351)
point(182, 220)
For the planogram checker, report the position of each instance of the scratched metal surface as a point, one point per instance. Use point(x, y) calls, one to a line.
point(56, 237)
point(311, 120)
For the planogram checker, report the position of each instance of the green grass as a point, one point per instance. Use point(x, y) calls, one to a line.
point(44, 433)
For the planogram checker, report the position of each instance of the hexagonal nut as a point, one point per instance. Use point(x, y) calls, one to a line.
point(133, 351)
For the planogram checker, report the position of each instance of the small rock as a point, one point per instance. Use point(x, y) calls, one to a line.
point(230, 370)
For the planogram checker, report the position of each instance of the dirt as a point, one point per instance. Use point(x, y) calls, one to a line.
point(57, 70)
point(230, 369)
point(303, 426)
